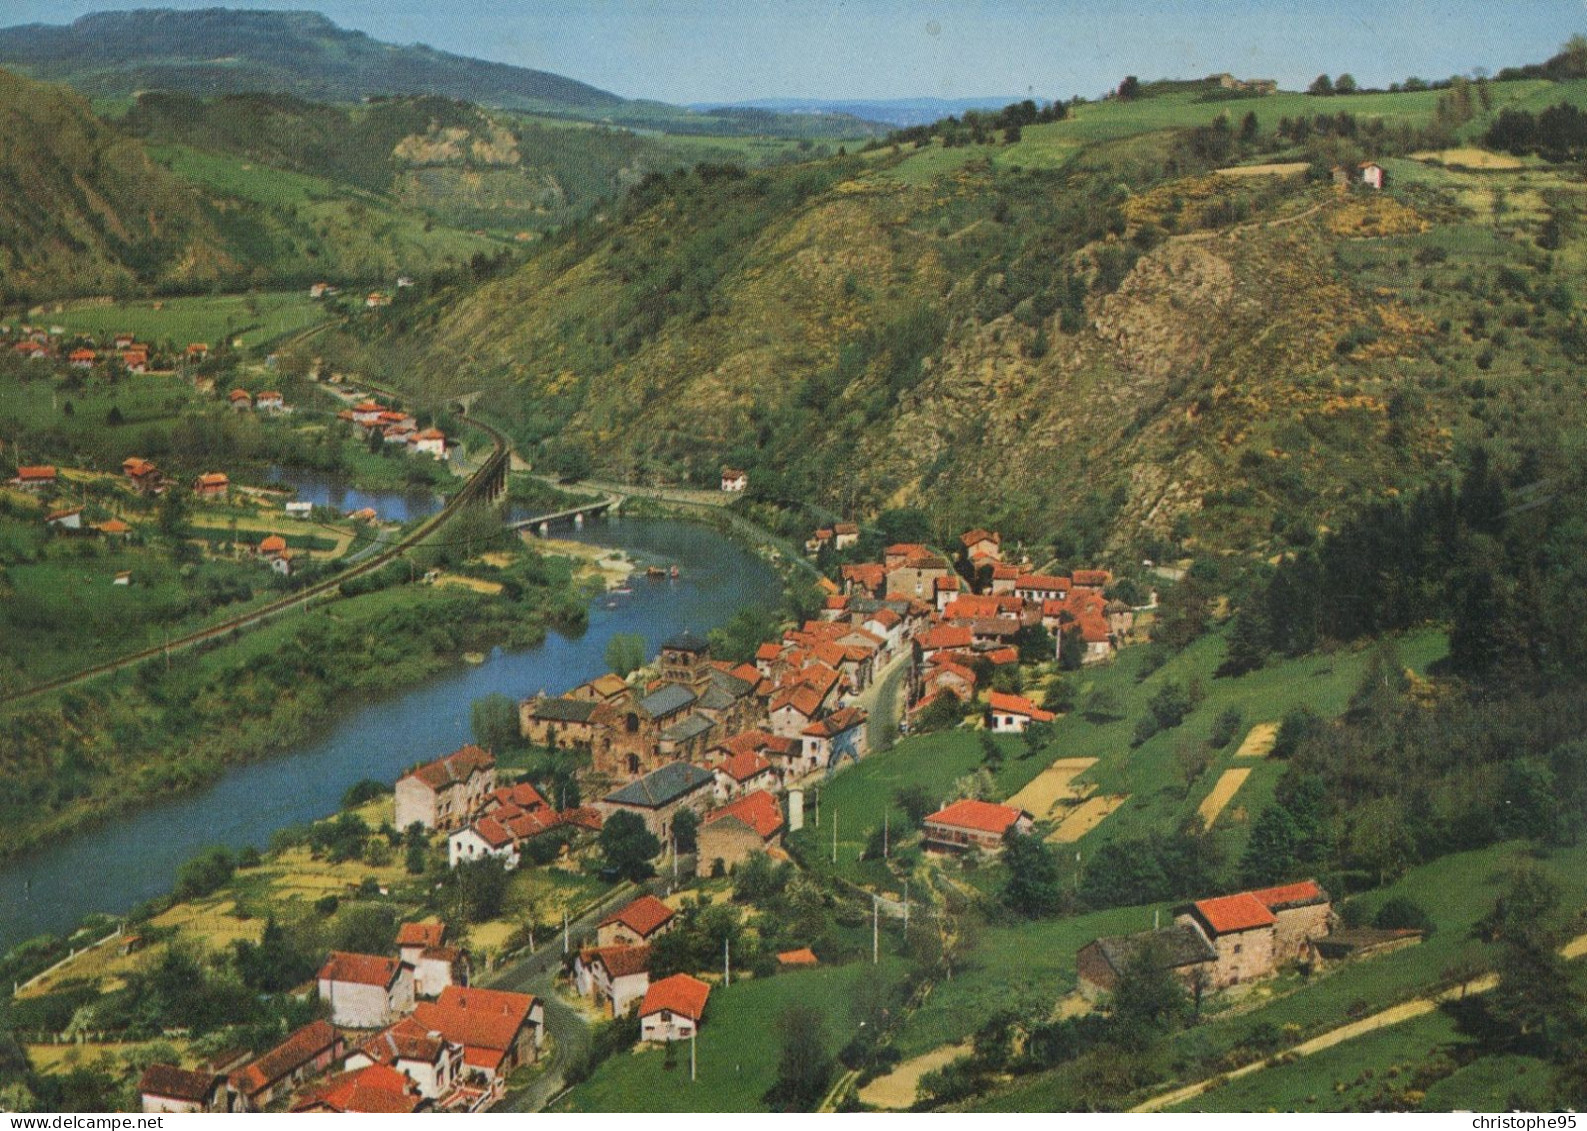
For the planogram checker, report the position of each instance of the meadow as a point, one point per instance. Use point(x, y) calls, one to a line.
point(246, 320)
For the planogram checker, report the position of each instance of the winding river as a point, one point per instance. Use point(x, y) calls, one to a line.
point(114, 865)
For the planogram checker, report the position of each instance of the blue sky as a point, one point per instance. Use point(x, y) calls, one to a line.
point(699, 50)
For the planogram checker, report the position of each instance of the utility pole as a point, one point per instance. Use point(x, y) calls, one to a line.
point(906, 907)
point(876, 929)
point(884, 835)
point(727, 962)
point(693, 1034)
point(834, 837)
point(564, 932)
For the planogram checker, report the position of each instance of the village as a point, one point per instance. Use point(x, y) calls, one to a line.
point(718, 763)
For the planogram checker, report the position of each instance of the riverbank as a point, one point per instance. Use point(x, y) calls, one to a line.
point(322, 729)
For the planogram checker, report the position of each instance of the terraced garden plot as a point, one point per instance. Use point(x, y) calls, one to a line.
point(1222, 793)
point(1054, 787)
point(896, 1090)
point(1259, 743)
point(1084, 817)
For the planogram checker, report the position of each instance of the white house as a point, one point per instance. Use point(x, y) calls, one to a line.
point(366, 991)
point(1012, 714)
point(430, 442)
point(673, 1008)
point(734, 480)
point(613, 976)
point(433, 1063)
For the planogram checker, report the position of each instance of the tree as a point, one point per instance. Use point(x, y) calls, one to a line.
point(1271, 850)
point(482, 888)
point(1034, 881)
point(625, 653)
point(1248, 643)
point(1148, 1002)
point(493, 719)
point(1071, 648)
point(916, 803)
point(685, 828)
point(173, 513)
point(1182, 614)
point(737, 641)
point(1536, 1003)
point(803, 1063)
point(628, 846)
point(1345, 84)
point(1322, 86)
point(991, 752)
point(944, 711)
point(1129, 89)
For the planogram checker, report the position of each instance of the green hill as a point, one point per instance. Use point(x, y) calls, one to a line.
point(1085, 335)
point(212, 51)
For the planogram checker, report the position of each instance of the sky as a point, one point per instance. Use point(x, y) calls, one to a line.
point(687, 51)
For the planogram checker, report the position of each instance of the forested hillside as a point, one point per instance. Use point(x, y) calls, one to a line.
point(1078, 329)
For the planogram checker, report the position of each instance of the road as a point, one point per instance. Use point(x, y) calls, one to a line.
point(883, 701)
point(568, 1028)
point(1394, 1015)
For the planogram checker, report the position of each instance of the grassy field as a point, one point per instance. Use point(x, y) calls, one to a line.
point(1457, 890)
point(738, 1045)
point(249, 319)
point(1159, 798)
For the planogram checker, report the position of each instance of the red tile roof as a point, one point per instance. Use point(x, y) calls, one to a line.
point(1043, 582)
point(970, 538)
point(846, 718)
point(272, 544)
point(406, 1040)
point(1231, 913)
point(375, 1089)
point(313, 1040)
point(485, 1022)
point(1291, 895)
point(213, 479)
point(1019, 705)
point(421, 934)
point(680, 993)
point(742, 767)
point(644, 916)
point(947, 636)
point(455, 767)
point(620, 961)
point(758, 810)
point(1092, 577)
point(39, 472)
point(363, 969)
point(768, 651)
point(980, 816)
point(804, 956)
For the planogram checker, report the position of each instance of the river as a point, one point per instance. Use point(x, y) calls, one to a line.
point(330, 489)
point(114, 865)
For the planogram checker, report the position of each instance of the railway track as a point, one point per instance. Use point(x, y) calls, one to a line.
point(491, 471)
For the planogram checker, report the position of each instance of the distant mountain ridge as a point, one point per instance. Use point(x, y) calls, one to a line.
point(891, 111)
point(217, 51)
point(221, 50)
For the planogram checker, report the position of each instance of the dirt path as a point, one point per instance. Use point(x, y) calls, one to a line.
point(1405, 1011)
point(896, 1091)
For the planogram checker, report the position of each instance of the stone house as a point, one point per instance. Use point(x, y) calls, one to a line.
point(1184, 950)
point(304, 1054)
point(433, 1063)
point(732, 834)
point(1240, 929)
point(658, 796)
point(443, 794)
point(636, 923)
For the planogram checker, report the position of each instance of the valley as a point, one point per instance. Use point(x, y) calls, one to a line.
point(522, 597)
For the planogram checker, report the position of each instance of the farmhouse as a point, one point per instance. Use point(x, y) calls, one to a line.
point(211, 485)
point(430, 442)
point(167, 1088)
point(68, 519)
point(271, 401)
point(435, 964)
point(1254, 932)
point(1373, 175)
point(1183, 950)
point(82, 359)
point(673, 1009)
point(433, 1063)
point(735, 832)
point(839, 735)
point(734, 479)
point(376, 1089)
point(241, 400)
point(974, 824)
point(638, 922)
point(982, 545)
point(741, 773)
point(306, 1053)
point(443, 794)
point(366, 991)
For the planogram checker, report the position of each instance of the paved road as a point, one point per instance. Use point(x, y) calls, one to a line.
point(883, 700)
point(536, 974)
